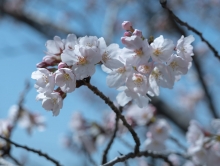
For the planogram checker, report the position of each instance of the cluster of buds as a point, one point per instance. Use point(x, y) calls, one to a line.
point(137, 70)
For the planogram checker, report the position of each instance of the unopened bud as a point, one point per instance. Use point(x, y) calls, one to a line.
point(128, 34)
point(41, 65)
point(137, 33)
point(126, 25)
point(62, 65)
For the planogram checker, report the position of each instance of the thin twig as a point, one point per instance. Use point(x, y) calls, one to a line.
point(32, 150)
point(118, 113)
point(189, 27)
point(152, 154)
point(105, 153)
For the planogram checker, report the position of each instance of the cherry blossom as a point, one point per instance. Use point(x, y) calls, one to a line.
point(161, 49)
point(51, 102)
point(65, 79)
point(44, 80)
point(184, 48)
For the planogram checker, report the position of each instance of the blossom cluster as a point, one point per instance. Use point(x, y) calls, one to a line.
point(91, 135)
point(204, 146)
point(138, 69)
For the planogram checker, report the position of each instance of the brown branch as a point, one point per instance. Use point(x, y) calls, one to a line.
point(117, 112)
point(32, 150)
point(152, 154)
point(189, 27)
point(105, 153)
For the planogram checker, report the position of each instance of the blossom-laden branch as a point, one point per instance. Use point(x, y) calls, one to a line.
point(189, 27)
point(152, 154)
point(200, 74)
point(118, 113)
point(104, 157)
point(32, 150)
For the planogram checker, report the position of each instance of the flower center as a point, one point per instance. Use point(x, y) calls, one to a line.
point(121, 70)
point(66, 76)
point(54, 100)
point(144, 69)
point(157, 52)
point(156, 73)
point(139, 52)
point(82, 61)
point(138, 79)
point(173, 64)
point(45, 79)
point(89, 44)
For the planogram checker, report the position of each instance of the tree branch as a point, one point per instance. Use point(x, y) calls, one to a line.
point(152, 154)
point(117, 112)
point(105, 153)
point(32, 150)
point(182, 23)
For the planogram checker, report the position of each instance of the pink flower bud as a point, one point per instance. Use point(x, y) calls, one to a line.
point(62, 65)
point(41, 65)
point(126, 25)
point(137, 33)
point(128, 34)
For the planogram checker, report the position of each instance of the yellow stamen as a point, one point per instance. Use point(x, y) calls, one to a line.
point(82, 60)
point(157, 52)
point(66, 76)
point(121, 70)
point(156, 73)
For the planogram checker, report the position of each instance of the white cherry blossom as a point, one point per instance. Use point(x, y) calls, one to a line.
point(184, 48)
point(51, 102)
point(70, 42)
point(65, 79)
point(110, 54)
point(141, 116)
point(161, 49)
point(89, 41)
point(127, 95)
point(137, 51)
point(55, 46)
point(137, 83)
point(82, 59)
point(44, 80)
point(161, 76)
